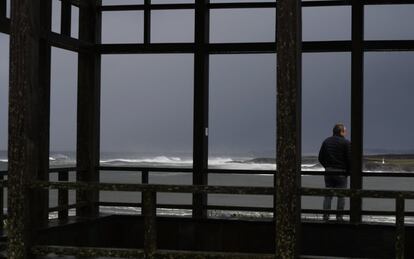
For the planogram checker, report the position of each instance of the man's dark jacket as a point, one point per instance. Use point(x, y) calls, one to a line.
point(336, 153)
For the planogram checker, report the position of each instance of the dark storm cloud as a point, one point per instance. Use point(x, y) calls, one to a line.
point(326, 96)
point(242, 104)
point(389, 91)
point(147, 100)
point(147, 103)
point(63, 96)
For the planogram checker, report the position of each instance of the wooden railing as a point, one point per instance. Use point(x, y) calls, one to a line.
point(63, 205)
point(149, 203)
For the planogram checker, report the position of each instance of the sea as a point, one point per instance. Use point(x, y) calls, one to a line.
point(235, 162)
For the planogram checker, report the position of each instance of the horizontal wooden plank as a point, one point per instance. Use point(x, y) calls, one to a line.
point(384, 174)
point(153, 188)
point(218, 189)
point(253, 47)
point(139, 253)
point(389, 45)
point(323, 3)
point(387, 2)
point(242, 5)
point(148, 169)
point(146, 48)
point(357, 193)
point(326, 46)
point(141, 7)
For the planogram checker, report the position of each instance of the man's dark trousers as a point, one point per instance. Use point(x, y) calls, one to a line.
point(334, 181)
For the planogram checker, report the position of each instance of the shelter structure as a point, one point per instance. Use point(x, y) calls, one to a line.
point(31, 233)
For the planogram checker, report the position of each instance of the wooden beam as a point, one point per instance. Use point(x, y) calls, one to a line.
point(68, 43)
point(3, 8)
point(386, 2)
point(357, 103)
point(88, 119)
point(143, 48)
point(141, 7)
point(147, 22)
point(29, 99)
point(200, 127)
point(389, 45)
point(229, 48)
point(65, 18)
point(44, 68)
point(288, 180)
point(246, 48)
point(321, 3)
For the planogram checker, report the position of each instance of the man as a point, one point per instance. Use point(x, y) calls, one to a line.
point(335, 156)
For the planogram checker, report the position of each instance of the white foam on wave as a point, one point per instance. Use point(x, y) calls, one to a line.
point(246, 166)
point(308, 165)
point(214, 162)
point(220, 161)
point(312, 168)
point(153, 160)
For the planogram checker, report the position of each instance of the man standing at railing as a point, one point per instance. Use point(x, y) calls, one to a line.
point(335, 156)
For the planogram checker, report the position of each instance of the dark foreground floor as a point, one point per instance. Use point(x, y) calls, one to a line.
point(319, 239)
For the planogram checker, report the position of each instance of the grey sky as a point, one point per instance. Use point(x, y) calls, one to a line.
point(147, 100)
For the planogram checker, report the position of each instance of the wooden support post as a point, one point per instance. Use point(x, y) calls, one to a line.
point(288, 181)
point(357, 103)
point(3, 8)
point(63, 196)
point(200, 137)
point(2, 207)
point(147, 22)
point(66, 18)
point(29, 102)
point(400, 232)
point(145, 177)
point(88, 128)
point(149, 211)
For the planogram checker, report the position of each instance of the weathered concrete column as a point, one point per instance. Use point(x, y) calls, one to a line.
point(29, 104)
point(287, 180)
point(89, 92)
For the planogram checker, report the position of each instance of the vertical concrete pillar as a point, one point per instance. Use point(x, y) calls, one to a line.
point(287, 180)
point(29, 105)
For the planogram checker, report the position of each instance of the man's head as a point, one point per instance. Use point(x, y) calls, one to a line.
point(339, 130)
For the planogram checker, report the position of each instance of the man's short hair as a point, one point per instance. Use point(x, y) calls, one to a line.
point(338, 128)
